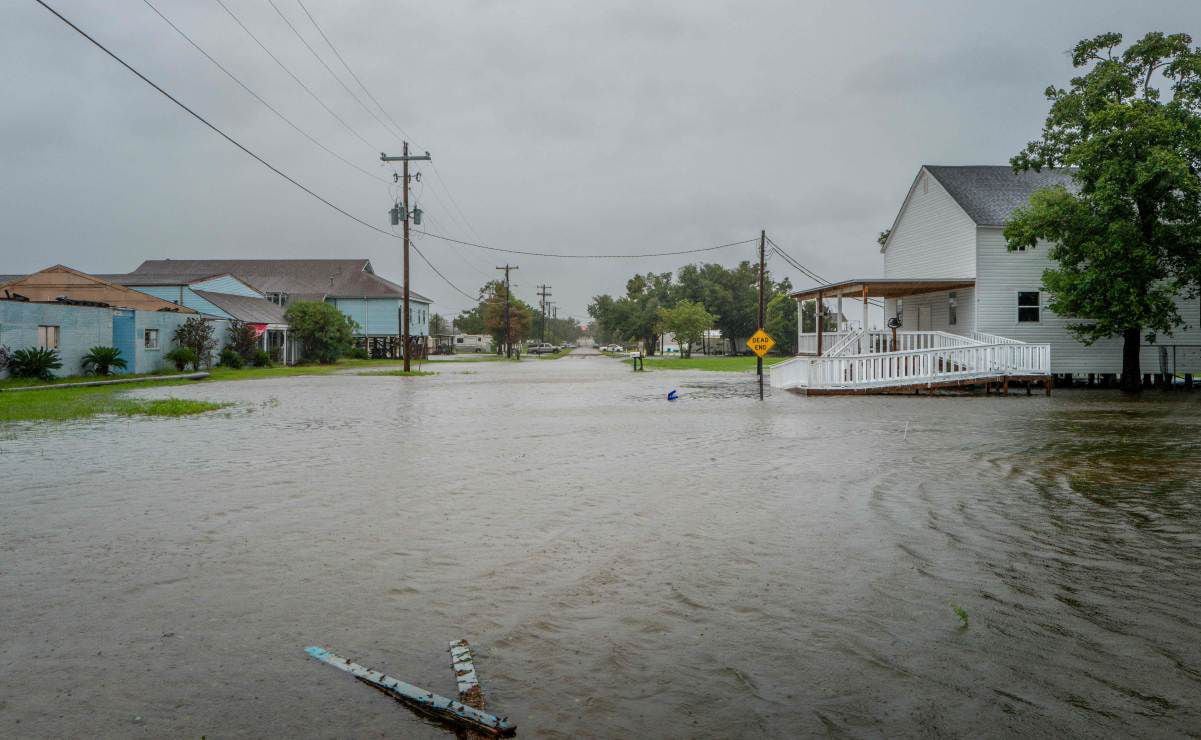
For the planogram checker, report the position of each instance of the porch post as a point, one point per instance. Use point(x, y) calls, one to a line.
point(800, 326)
point(817, 316)
point(866, 338)
point(839, 317)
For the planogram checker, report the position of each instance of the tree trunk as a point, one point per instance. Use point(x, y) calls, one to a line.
point(1131, 372)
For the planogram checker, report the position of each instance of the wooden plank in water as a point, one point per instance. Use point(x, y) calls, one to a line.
point(464, 667)
point(420, 699)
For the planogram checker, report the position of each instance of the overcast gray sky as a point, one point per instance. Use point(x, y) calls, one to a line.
point(575, 127)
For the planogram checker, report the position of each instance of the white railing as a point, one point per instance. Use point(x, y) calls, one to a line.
point(848, 345)
point(807, 343)
point(913, 367)
point(984, 338)
point(792, 373)
point(907, 341)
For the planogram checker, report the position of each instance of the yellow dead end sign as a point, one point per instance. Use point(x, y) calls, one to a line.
point(761, 343)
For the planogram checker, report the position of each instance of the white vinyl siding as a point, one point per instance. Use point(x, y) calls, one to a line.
point(932, 238)
point(939, 307)
point(1002, 274)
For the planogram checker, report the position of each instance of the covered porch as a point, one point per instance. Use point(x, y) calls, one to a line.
point(830, 314)
point(837, 354)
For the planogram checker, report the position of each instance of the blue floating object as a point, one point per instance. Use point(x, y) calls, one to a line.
point(673, 395)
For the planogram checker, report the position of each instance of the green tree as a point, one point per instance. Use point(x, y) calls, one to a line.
point(521, 315)
point(782, 322)
point(324, 332)
point(197, 334)
point(688, 321)
point(102, 360)
point(1126, 239)
point(471, 322)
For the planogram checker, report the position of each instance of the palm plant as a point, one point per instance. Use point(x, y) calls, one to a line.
point(34, 362)
point(102, 360)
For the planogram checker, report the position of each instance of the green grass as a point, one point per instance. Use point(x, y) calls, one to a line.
point(716, 364)
point(961, 613)
point(22, 382)
point(555, 356)
point(82, 403)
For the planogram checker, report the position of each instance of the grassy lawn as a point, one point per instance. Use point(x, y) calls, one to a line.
point(81, 403)
point(702, 362)
point(60, 404)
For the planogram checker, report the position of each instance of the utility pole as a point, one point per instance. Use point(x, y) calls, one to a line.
point(543, 294)
point(404, 211)
point(762, 271)
point(508, 325)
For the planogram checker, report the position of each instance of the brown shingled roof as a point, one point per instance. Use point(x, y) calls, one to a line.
point(337, 278)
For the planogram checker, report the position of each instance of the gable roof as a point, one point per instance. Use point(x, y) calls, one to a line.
point(60, 281)
point(134, 279)
point(245, 308)
point(334, 278)
point(989, 194)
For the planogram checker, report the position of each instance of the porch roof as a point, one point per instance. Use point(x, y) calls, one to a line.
point(884, 287)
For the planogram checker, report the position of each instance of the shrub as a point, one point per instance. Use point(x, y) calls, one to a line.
point(101, 360)
point(358, 353)
point(5, 353)
point(261, 358)
point(242, 339)
point(324, 332)
point(231, 358)
point(182, 357)
point(197, 335)
point(34, 362)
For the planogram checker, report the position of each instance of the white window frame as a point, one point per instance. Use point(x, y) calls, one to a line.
point(1037, 306)
point(44, 334)
point(146, 333)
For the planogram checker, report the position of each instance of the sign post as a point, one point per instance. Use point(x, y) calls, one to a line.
point(760, 343)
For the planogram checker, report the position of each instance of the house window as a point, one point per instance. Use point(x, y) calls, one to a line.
point(278, 299)
point(952, 305)
point(48, 337)
point(1028, 306)
point(150, 339)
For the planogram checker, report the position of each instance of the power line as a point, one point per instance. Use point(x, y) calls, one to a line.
point(327, 67)
point(284, 67)
point(583, 256)
point(335, 207)
point(258, 97)
point(444, 278)
point(807, 272)
point(338, 54)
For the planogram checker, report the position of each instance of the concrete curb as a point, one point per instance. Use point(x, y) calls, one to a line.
point(117, 381)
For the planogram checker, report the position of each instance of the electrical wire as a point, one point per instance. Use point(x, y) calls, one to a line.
point(807, 272)
point(583, 256)
point(298, 81)
point(338, 54)
point(335, 207)
point(317, 56)
point(258, 97)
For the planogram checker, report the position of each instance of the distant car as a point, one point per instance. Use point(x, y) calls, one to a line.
point(671, 351)
point(544, 348)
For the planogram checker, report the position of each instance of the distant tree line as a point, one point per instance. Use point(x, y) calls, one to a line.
point(697, 298)
point(525, 321)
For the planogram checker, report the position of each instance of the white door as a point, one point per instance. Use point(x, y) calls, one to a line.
point(923, 318)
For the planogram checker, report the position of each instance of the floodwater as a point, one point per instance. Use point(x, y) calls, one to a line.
point(623, 566)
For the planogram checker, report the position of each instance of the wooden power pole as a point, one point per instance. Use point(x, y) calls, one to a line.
point(762, 304)
point(508, 324)
point(405, 158)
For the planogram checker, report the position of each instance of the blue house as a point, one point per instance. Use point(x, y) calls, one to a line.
point(70, 312)
point(372, 302)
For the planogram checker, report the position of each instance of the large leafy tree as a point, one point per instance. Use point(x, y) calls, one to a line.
point(1127, 238)
point(521, 316)
point(688, 321)
point(324, 332)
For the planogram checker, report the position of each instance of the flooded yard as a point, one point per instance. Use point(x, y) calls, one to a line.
point(623, 566)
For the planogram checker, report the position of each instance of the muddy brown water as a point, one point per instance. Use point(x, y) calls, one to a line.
point(623, 566)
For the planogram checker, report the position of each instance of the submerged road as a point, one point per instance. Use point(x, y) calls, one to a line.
point(621, 565)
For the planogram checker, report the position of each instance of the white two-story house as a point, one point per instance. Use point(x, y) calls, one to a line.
point(950, 283)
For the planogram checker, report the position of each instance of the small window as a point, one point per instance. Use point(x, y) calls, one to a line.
point(459, 340)
point(1028, 306)
point(150, 339)
point(952, 304)
point(925, 184)
point(48, 337)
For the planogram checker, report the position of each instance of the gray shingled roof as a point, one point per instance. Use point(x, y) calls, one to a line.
point(991, 193)
point(245, 308)
point(338, 278)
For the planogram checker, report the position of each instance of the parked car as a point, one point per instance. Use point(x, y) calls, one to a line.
point(543, 348)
